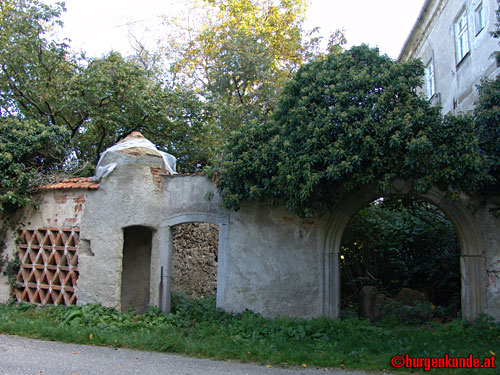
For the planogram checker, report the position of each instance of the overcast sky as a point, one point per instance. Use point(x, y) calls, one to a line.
point(97, 26)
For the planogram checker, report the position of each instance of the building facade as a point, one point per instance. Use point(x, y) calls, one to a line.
point(453, 40)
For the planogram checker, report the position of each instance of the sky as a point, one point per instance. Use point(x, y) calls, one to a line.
point(98, 26)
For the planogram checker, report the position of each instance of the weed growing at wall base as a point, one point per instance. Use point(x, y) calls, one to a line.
point(198, 328)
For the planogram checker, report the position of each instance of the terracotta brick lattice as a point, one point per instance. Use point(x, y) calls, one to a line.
point(49, 266)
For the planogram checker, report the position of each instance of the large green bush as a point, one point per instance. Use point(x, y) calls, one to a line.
point(351, 120)
point(487, 120)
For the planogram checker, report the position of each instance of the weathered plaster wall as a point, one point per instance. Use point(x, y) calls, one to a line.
point(129, 196)
point(57, 209)
point(273, 263)
point(268, 260)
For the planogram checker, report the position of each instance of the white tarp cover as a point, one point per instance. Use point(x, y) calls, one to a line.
point(102, 171)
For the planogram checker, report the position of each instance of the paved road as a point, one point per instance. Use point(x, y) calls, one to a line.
point(22, 356)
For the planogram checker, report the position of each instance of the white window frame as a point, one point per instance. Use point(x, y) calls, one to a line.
point(430, 79)
point(462, 36)
point(479, 18)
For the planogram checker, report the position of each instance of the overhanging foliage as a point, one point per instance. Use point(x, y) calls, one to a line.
point(54, 104)
point(351, 120)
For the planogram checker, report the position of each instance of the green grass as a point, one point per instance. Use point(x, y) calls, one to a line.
point(197, 328)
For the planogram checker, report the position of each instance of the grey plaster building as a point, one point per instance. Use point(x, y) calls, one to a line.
point(452, 38)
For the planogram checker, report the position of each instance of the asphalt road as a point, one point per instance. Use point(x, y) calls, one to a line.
point(22, 356)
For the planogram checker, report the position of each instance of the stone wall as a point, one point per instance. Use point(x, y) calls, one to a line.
point(195, 259)
point(267, 260)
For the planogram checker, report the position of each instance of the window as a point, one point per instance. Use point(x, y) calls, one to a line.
point(462, 37)
point(479, 18)
point(430, 82)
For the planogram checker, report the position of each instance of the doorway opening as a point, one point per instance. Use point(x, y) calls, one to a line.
point(136, 268)
point(409, 251)
point(195, 259)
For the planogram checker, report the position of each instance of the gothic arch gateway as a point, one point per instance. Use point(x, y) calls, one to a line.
point(472, 260)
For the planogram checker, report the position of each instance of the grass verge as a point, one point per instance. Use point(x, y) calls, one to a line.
point(198, 328)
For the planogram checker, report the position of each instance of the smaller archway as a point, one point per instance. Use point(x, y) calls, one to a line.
point(166, 251)
point(136, 268)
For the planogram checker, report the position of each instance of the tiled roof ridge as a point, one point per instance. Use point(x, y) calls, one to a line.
point(72, 183)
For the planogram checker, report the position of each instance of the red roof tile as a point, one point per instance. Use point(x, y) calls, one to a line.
point(73, 183)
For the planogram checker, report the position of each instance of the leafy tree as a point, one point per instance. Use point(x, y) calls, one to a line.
point(239, 55)
point(115, 97)
point(401, 242)
point(349, 120)
point(496, 33)
point(487, 119)
point(99, 101)
point(29, 151)
point(30, 63)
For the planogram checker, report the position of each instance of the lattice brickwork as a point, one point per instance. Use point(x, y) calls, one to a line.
point(49, 266)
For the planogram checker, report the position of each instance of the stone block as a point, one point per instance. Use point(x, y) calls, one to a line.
point(410, 297)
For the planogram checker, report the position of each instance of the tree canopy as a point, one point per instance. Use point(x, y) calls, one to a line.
point(487, 118)
point(29, 148)
point(350, 120)
point(28, 151)
point(238, 54)
point(52, 99)
point(100, 100)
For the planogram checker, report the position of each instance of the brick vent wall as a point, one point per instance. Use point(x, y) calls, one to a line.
point(195, 259)
point(49, 266)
